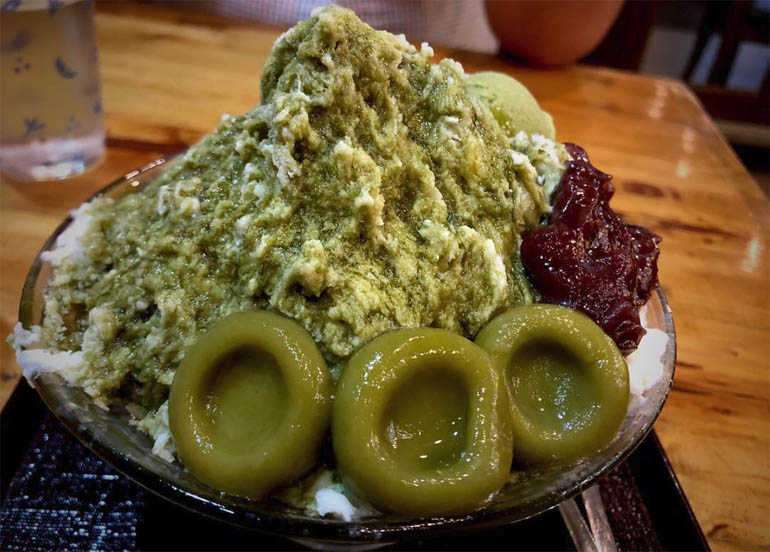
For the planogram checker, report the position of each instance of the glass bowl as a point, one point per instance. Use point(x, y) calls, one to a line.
point(109, 435)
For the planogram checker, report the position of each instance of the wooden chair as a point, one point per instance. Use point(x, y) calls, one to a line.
point(742, 115)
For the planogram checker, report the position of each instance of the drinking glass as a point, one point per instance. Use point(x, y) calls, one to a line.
point(51, 122)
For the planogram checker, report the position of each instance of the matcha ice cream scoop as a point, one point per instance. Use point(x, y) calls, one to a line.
point(512, 105)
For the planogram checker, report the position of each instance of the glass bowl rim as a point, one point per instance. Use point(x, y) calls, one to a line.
point(307, 529)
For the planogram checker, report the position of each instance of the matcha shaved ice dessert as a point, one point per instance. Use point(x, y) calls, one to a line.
point(288, 310)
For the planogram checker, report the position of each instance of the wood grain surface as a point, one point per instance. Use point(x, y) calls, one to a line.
point(168, 75)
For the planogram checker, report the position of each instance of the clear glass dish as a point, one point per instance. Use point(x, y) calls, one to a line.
point(109, 435)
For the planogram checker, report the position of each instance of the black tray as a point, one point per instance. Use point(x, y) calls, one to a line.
point(56, 495)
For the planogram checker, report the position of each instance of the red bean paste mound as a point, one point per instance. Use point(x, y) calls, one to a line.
point(588, 259)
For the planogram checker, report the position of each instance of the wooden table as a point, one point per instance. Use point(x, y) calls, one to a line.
point(169, 75)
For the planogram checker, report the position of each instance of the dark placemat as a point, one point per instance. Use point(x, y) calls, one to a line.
point(56, 495)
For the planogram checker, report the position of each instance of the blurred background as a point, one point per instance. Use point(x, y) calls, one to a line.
point(721, 49)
